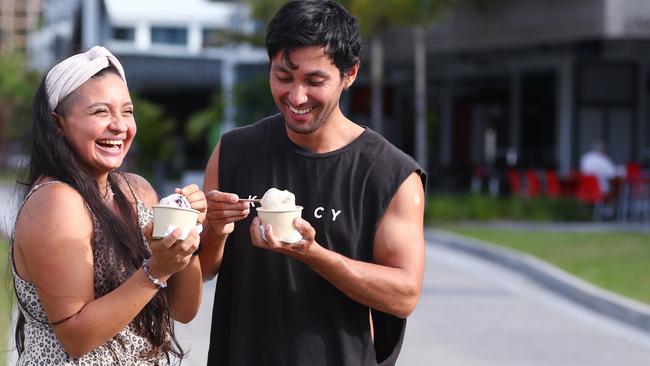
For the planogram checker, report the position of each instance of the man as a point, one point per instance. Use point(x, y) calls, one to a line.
point(340, 295)
point(596, 162)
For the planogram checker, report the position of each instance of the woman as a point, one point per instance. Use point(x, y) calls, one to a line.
point(90, 287)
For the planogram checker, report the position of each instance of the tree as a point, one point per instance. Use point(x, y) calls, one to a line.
point(419, 15)
point(254, 91)
point(154, 143)
point(374, 17)
point(264, 10)
point(17, 88)
point(206, 122)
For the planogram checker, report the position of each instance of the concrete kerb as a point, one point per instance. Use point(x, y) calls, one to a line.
point(602, 301)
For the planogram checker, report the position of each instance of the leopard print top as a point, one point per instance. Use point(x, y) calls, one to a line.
point(41, 345)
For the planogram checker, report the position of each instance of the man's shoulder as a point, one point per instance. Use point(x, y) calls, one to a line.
point(384, 147)
point(256, 130)
point(389, 159)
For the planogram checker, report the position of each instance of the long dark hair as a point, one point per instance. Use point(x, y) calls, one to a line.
point(53, 157)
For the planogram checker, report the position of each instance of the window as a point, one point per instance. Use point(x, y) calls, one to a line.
point(213, 37)
point(123, 34)
point(169, 35)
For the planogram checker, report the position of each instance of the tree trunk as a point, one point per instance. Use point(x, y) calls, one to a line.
point(420, 130)
point(376, 82)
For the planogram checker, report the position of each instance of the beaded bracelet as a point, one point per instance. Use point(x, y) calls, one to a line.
point(158, 283)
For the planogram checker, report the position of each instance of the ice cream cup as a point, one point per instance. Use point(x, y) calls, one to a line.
point(282, 223)
point(166, 217)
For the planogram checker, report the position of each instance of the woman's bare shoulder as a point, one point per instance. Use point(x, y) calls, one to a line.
point(54, 214)
point(143, 189)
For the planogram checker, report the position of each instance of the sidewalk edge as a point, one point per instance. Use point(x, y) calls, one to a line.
point(595, 298)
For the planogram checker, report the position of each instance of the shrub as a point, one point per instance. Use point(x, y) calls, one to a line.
point(476, 207)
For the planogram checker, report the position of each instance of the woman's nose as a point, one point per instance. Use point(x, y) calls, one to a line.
point(118, 124)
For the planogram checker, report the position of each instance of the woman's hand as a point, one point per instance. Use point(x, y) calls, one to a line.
point(197, 200)
point(171, 254)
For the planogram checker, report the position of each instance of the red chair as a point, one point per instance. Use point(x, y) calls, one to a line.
point(633, 197)
point(589, 189)
point(589, 192)
point(552, 184)
point(514, 181)
point(533, 186)
point(633, 172)
point(569, 185)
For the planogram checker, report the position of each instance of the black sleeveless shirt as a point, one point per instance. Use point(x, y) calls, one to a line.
point(270, 309)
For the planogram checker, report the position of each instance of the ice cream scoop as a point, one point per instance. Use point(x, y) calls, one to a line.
point(175, 200)
point(279, 210)
point(174, 211)
point(276, 200)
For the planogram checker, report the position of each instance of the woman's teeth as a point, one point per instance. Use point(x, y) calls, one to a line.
point(115, 144)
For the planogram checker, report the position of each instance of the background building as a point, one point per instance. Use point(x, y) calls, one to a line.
point(520, 83)
point(17, 19)
point(177, 54)
point(527, 83)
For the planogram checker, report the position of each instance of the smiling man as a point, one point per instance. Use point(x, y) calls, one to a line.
point(341, 294)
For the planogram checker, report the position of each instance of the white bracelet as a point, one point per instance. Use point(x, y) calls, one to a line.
point(158, 283)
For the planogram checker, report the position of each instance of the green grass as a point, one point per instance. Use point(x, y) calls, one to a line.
point(617, 261)
point(5, 303)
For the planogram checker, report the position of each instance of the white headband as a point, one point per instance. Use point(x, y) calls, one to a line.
point(72, 72)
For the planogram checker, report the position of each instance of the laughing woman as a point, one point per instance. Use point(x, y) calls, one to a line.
point(91, 288)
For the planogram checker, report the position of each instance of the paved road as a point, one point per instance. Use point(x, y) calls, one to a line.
point(473, 312)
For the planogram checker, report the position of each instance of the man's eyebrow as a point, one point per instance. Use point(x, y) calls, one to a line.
point(280, 68)
point(318, 74)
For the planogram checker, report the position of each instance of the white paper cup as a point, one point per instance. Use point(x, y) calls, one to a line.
point(166, 216)
point(282, 223)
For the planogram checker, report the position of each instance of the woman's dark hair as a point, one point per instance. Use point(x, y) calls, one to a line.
point(52, 156)
point(315, 23)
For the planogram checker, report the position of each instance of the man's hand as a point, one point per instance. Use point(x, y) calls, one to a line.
point(299, 249)
point(224, 210)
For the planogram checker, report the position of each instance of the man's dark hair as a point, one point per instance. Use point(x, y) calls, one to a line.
point(305, 23)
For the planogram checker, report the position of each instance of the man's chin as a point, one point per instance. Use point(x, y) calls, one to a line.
point(301, 132)
point(299, 128)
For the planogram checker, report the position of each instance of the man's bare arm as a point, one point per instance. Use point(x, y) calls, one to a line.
point(223, 211)
point(392, 283)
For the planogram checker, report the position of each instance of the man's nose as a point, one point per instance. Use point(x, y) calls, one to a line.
point(298, 94)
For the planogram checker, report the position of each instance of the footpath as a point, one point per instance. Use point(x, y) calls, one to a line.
point(633, 313)
point(484, 305)
point(478, 307)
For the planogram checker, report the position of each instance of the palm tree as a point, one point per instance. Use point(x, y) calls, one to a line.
point(419, 15)
point(374, 18)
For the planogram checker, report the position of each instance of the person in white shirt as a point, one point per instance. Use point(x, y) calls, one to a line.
point(597, 162)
